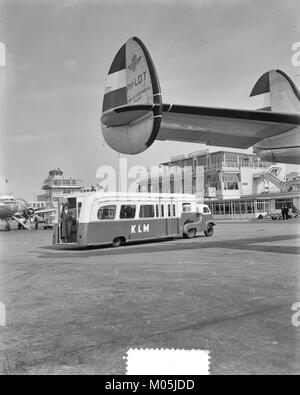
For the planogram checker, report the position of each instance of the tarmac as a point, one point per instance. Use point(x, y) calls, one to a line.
point(79, 312)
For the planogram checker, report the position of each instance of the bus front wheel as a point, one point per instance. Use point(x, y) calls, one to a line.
point(117, 242)
point(190, 234)
point(209, 231)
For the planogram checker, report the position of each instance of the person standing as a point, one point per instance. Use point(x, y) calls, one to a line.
point(36, 223)
point(69, 219)
point(282, 212)
point(286, 212)
point(63, 216)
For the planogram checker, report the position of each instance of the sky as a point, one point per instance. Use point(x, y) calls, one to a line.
point(58, 52)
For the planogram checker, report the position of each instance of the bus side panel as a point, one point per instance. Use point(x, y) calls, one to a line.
point(55, 239)
point(106, 231)
point(146, 229)
point(82, 234)
point(173, 227)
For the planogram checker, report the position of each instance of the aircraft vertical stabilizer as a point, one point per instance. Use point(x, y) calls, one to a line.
point(132, 100)
point(275, 91)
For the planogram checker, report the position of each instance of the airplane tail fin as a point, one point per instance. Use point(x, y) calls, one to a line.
point(132, 103)
point(275, 91)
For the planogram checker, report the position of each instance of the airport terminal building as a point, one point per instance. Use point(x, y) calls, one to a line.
point(234, 185)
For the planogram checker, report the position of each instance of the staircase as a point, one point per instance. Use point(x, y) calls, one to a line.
point(269, 176)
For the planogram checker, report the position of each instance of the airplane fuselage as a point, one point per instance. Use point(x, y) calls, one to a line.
point(8, 210)
point(10, 207)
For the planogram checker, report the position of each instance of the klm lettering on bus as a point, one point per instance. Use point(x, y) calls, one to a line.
point(137, 81)
point(140, 228)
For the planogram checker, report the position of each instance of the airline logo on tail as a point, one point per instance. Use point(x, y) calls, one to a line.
point(135, 60)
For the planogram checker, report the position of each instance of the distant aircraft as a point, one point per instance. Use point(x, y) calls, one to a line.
point(134, 116)
point(19, 211)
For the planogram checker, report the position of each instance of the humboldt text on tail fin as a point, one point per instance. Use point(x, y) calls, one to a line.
point(275, 91)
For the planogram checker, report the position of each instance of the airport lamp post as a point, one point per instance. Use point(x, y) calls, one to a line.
point(118, 174)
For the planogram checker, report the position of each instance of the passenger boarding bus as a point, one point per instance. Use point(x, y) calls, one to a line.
point(98, 218)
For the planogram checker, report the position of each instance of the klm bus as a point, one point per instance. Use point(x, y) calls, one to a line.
point(98, 218)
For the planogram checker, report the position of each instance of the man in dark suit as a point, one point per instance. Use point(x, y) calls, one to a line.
point(286, 211)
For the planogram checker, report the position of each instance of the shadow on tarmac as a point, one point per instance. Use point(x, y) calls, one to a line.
point(245, 244)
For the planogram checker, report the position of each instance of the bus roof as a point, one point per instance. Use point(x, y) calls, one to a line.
point(131, 196)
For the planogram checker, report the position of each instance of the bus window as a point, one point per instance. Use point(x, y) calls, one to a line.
point(186, 207)
point(157, 211)
point(107, 212)
point(147, 211)
point(169, 210)
point(162, 210)
point(72, 203)
point(174, 210)
point(127, 211)
point(206, 210)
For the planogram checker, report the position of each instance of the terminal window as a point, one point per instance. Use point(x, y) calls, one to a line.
point(213, 181)
point(231, 181)
point(262, 206)
point(279, 203)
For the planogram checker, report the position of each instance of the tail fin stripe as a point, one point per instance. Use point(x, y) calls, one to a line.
point(262, 86)
point(261, 101)
point(119, 62)
point(116, 98)
point(115, 81)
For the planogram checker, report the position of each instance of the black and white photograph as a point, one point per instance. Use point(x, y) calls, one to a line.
point(149, 190)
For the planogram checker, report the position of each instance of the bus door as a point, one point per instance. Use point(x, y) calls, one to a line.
point(61, 202)
point(172, 220)
point(68, 220)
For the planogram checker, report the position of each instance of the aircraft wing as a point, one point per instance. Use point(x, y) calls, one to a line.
point(221, 126)
point(19, 220)
point(44, 211)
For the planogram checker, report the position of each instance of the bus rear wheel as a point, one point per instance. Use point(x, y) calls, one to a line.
point(117, 242)
point(209, 231)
